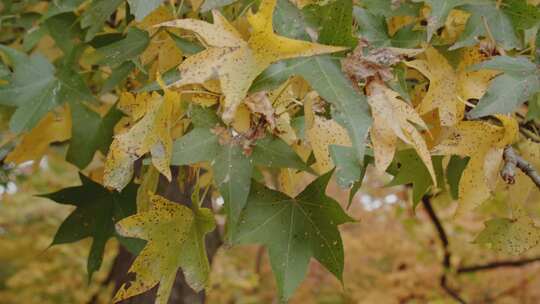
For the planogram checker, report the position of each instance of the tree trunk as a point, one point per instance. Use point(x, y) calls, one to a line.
point(181, 293)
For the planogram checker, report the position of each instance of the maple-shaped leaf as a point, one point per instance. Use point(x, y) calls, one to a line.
point(91, 133)
point(510, 236)
point(97, 210)
point(519, 82)
point(37, 88)
point(410, 168)
point(54, 127)
point(236, 62)
point(392, 119)
point(301, 228)
point(443, 87)
point(175, 239)
point(487, 19)
point(151, 133)
point(483, 142)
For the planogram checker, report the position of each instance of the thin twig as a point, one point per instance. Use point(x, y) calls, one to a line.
point(497, 264)
point(512, 161)
point(426, 201)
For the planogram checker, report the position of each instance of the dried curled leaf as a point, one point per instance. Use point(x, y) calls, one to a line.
point(237, 62)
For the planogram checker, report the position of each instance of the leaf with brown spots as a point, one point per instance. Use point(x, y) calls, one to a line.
point(236, 62)
point(151, 133)
point(483, 142)
point(392, 119)
point(175, 236)
point(443, 88)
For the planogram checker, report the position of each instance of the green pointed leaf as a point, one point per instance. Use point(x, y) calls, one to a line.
point(90, 133)
point(275, 153)
point(348, 168)
point(337, 24)
point(485, 14)
point(300, 228)
point(175, 239)
point(408, 168)
point(37, 88)
point(454, 170)
point(520, 81)
point(141, 8)
point(232, 175)
point(198, 145)
point(187, 47)
point(522, 14)
point(509, 236)
point(117, 76)
point(439, 13)
point(126, 49)
point(95, 16)
point(372, 27)
point(97, 210)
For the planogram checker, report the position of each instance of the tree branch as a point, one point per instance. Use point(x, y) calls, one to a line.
point(426, 201)
point(513, 161)
point(497, 264)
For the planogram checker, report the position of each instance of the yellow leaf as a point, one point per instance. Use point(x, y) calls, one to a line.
point(443, 88)
point(152, 133)
point(237, 62)
point(392, 119)
point(473, 84)
point(54, 127)
point(148, 185)
point(483, 143)
point(320, 134)
point(162, 51)
point(454, 26)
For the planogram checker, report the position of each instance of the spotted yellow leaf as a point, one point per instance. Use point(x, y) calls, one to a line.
point(473, 84)
point(483, 142)
point(54, 127)
point(234, 61)
point(392, 119)
point(443, 87)
point(175, 239)
point(151, 133)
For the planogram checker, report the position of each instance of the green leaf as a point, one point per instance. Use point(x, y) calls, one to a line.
point(118, 75)
point(209, 5)
point(203, 117)
point(90, 132)
point(197, 146)
point(126, 49)
point(509, 236)
point(232, 169)
point(408, 168)
point(65, 30)
point(97, 210)
point(187, 47)
point(232, 175)
point(508, 91)
point(372, 27)
point(141, 8)
point(533, 112)
point(337, 24)
point(454, 170)
point(275, 153)
point(485, 14)
point(389, 8)
point(522, 14)
point(294, 230)
point(37, 88)
point(61, 6)
point(348, 168)
point(95, 16)
point(439, 13)
point(175, 239)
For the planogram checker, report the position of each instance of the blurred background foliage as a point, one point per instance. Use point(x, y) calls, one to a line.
point(392, 254)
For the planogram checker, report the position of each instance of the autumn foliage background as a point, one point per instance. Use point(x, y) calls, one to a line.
point(164, 130)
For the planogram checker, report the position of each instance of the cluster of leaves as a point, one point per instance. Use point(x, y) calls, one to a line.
point(256, 97)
